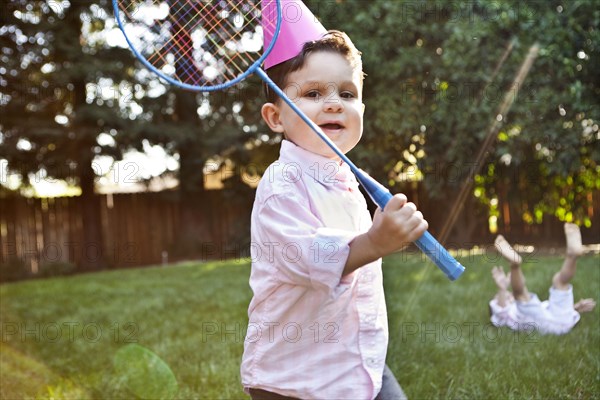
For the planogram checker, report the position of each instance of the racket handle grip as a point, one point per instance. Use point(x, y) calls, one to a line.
point(426, 243)
point(440, 256)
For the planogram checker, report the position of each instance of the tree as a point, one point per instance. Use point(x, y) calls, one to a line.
point(62, 58)
point(57, 63)
point(197, 127)
point(450, 66)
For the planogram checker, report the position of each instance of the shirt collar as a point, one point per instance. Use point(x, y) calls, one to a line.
point(324, 170)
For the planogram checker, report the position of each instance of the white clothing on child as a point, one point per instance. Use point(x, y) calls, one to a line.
point(553, 316)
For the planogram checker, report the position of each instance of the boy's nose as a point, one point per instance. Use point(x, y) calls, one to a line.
point(333, 103)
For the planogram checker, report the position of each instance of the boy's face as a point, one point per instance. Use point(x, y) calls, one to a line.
point(328, 90)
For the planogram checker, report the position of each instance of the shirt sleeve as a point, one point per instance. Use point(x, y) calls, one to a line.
point(299, 248)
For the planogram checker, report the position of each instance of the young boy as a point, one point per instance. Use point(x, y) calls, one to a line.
point(522, 310)
point(317, 320)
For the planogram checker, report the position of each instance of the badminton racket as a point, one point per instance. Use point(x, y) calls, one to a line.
point(210, 45)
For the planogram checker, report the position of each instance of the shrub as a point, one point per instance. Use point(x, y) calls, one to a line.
point(14, 269)
point(59, 268)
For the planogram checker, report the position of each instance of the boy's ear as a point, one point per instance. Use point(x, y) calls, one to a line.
point(270, 113)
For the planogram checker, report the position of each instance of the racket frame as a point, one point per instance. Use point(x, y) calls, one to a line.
point(253, 68)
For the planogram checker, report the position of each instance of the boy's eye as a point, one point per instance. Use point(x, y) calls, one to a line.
point(312, 94)
point(347, 95)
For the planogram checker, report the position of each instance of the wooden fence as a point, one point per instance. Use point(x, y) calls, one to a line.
point(152, 228)
point(137, 229)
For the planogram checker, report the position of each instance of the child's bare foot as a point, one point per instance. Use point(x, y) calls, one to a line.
point(500, 278)
point(573, 234)
point(585, 305)
point(506, 250)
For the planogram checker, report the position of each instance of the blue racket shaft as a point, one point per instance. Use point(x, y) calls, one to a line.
point(378, 193)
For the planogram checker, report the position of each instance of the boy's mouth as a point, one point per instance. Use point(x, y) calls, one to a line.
point(331, 126)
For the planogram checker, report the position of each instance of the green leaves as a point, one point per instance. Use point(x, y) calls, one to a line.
point(447, 67)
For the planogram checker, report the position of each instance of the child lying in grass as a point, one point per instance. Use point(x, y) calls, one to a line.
point(522, 310)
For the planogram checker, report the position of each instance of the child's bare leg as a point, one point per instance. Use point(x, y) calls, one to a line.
point(517, 279)
point(503, 297)
point(563, 277)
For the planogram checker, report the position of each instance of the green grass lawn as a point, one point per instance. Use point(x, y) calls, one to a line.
point(59, 336)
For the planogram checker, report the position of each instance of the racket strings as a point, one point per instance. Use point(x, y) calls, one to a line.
point(213, 24)
point(247, 60)
point(198, 41)
point(182, 44)
point(227, 34)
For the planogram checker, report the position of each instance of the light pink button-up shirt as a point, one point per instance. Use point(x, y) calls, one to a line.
point(312, 333)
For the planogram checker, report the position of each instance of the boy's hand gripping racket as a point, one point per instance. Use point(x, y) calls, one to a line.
point(209, 45)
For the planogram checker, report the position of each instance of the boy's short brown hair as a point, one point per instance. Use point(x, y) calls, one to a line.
point(333, 41)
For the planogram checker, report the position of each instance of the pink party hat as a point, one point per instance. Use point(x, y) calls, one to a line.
point(298, 26)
